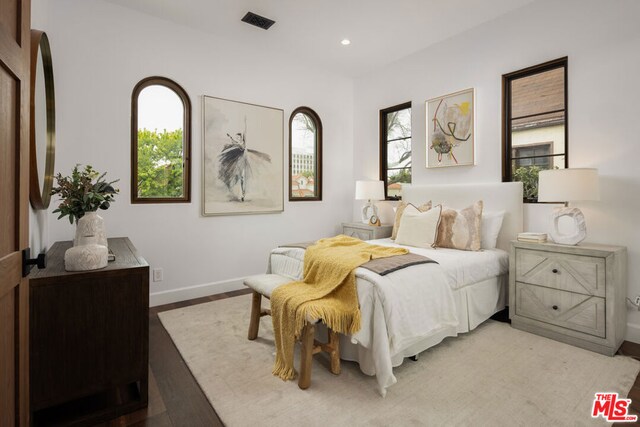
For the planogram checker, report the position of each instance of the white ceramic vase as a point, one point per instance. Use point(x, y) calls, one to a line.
point(86, 257)
point(90, 229)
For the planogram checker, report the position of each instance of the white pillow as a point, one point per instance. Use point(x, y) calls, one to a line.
point(417, 228)
point(491, 225)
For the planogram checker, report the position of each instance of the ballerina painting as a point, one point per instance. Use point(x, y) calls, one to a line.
point(242, 168)
point(235, 163)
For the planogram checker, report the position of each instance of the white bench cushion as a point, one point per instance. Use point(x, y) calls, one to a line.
point(265, 283)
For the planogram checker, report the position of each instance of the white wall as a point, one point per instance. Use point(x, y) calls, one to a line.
point(100, 51)
point(602, 41)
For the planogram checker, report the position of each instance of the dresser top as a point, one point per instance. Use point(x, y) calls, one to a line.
point(365, 226)
point(580, 249)
point(127, 257)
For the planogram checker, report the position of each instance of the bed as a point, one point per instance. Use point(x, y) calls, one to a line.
point(410, 310)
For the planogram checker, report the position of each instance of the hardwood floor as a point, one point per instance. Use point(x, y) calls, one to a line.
point(175, 399)
point(632, 349)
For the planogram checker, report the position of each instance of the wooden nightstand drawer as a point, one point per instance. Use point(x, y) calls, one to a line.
point(573, 294)
point(574, 273)
point(358, 233)
point(363, 231)
point(578, 312)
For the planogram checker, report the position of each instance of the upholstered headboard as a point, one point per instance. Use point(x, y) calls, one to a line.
point(505, 196)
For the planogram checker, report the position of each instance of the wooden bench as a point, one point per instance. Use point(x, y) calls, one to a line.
point(263, 285)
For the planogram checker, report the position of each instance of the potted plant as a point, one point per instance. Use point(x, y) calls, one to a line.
point(82, 194)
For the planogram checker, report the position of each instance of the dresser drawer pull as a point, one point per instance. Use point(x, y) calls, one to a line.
point(555, 270)
point(555, 307)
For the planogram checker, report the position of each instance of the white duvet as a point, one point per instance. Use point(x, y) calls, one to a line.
point(408, 305)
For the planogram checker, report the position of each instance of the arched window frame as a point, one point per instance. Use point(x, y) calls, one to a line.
point(186, 133)
point(318, 154)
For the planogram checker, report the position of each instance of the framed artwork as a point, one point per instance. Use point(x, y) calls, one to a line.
point(451, 130)
point(242, 171)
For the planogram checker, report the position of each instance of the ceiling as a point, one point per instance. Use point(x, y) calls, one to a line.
point(311, 30)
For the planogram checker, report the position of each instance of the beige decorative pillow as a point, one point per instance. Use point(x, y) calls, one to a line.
point(461, 229)
point(400, 209)
point(417, 228)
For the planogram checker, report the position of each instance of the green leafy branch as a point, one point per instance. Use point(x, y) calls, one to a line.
point(79, 193)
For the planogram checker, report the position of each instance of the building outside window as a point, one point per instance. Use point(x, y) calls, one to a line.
point(535, 123)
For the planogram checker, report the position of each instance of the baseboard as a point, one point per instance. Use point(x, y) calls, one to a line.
point(197, 291)
point(633, 333)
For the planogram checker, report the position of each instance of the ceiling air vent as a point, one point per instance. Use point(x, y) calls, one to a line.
point(258, 21)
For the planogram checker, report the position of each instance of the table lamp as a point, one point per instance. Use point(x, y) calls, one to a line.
point(369, 190)
point(565, 185)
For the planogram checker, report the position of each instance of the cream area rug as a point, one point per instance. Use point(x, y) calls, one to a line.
point(494, 375)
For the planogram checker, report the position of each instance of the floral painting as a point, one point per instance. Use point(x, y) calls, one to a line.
point(242, 159)
point(450, 130)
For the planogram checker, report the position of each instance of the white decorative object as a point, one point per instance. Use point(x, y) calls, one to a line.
point(90, 249)
point(574, 238)
point(369, 191)
point(86, 257)
point(564, 185)
point(91, 225)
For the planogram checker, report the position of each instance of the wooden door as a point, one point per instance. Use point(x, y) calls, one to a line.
point(15, 16)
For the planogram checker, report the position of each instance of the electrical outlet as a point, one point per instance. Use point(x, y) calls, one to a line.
point(157, 275)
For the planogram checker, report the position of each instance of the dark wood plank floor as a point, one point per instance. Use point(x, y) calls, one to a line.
point(175, 399)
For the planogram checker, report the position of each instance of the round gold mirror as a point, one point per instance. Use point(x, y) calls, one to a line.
point(43, 122)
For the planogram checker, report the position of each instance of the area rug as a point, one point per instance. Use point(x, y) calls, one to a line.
point(494, 375)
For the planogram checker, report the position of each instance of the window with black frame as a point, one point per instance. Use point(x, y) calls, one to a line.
point(395, 149)
point(535, 133)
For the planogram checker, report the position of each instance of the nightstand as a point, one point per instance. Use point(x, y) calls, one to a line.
point(365, 231)
point(573, 294)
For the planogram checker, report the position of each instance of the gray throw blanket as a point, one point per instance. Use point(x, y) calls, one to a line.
point(381, 266)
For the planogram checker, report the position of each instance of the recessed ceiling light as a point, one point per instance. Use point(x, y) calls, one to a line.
point(345, 42)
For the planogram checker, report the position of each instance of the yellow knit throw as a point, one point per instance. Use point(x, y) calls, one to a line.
point(328, 292)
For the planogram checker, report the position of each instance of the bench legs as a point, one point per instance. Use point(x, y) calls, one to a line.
point(334, 351)
point(309, 345)
point(306, 354)
point(254, 322)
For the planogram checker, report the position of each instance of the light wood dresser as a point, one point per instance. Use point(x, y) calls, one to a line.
point(573, 294)
point(364, 231)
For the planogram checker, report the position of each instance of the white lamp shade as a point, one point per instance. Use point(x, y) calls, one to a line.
point(566, 185)
point(369, 190)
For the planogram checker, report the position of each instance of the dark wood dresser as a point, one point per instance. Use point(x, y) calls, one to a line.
point(89, 338)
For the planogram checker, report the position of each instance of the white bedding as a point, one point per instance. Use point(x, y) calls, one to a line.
point(409, 305)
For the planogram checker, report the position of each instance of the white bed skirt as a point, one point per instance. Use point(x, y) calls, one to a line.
point(475, 304)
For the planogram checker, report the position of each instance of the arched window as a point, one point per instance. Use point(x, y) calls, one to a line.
point(305, 155)
point(160, 142)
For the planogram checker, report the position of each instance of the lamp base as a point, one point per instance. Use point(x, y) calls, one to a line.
point(568, 239)
point(368, 211)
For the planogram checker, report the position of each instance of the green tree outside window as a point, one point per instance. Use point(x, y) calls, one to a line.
point(160, 163)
